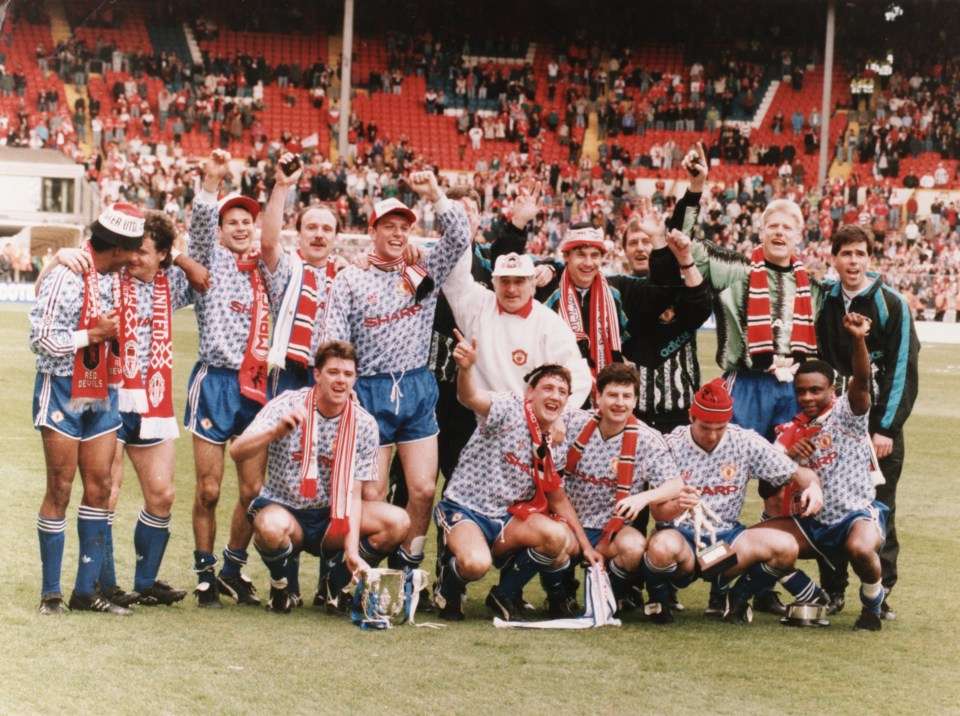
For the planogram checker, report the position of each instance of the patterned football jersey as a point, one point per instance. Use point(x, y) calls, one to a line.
point(592, 488)
point(224, 310)
point(722, 475)
point(284, 456)
point(56, 315)
point(842, 461)
point(277, 286)
point(180, 295)
point(375, 311)
point(496, 466)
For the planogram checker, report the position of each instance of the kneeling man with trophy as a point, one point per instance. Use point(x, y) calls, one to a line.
point(319, 443)
point(699, 533)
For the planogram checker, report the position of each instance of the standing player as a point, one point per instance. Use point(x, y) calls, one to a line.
point(319, 444)
point(765, 309)
point(387, 312)
point(75, 409)
point(298, 284)
point(717, 460)
point(496, 506)
point(610, 463)
point(150, 289)
point(229, 382)
point(893, 347)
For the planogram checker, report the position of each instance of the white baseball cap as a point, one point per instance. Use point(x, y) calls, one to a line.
point(513, 264)
point(391, 206)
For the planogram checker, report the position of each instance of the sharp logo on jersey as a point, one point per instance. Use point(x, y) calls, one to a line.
point(824, 441)
point(594, 480)
point(523, 465)
point(728, 471)
point(824, 460)
point(719, 490)
point(668, 316)
point(375, 321)
point(519, 357)
point(238, 307)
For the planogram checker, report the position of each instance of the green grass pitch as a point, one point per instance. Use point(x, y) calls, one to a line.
point(182, 660)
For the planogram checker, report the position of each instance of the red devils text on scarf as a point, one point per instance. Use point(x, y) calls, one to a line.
point(90, 371)
point(341, 471)
point(253, 370)
point(628, 458)
point(803, 338)
point(545, 477)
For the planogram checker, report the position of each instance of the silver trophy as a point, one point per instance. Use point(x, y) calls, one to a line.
point(387, 597)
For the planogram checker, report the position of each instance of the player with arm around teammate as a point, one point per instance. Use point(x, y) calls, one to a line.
point(611, 459)
point(75, 407)
point(320, 446)
point(150, 289)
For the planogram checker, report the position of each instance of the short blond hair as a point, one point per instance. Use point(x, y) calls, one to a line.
point(785, 206)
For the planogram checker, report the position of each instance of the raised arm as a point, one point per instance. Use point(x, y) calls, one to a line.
point(465, 355)
point(272, 222)
point(858, 390)
point(203, 224)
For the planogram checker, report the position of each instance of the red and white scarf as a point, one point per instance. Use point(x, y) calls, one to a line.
point(90, 368)
point(803, 338)
point(153, 401)
point(341, 471)
point(545, 476)
point(628, 458)
point(415, 277)
point(253, 370)
point(799, 427)
point(603, 333)
point(293, 329)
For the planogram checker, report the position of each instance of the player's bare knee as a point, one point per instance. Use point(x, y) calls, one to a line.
point(662, 549)
point(207, 495)
point(422, 491)
point(473, 564)
point(398, 525)
point(553, 539)
point(630, 546)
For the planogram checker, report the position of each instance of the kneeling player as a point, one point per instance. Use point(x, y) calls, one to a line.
point(320, 442)
point(496, 505)
point(852, 522)
point(718, 459)
point(612, 459)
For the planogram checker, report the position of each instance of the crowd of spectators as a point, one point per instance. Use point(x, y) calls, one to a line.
point(138, 156)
